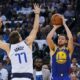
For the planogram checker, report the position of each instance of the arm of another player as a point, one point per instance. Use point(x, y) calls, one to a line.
point(50, 42)
point(34, 31)
point(69, 35)
point(3, 45)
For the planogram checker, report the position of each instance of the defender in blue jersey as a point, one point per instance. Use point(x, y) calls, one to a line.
point(61, 53)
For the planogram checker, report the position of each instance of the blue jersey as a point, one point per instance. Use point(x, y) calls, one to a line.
point(60, 62)
point(39, 77)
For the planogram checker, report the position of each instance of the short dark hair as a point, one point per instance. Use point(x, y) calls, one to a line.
point(38, 58)
point(14, 37)
point(62, 34)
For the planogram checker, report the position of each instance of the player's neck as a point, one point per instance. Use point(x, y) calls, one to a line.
point(61, 47)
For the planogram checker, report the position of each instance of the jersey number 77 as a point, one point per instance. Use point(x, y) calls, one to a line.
point(20, 56)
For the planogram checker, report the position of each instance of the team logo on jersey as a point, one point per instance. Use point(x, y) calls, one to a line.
point(61, 57)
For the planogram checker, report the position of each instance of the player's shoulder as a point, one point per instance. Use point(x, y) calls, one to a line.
point(66, 48)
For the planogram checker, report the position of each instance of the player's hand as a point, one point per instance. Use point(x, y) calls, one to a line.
point(56, 26)
point(0, 22)
point(36, 9)
point(64, 21)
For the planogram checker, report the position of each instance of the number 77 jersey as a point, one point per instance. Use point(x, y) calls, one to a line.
point(21, 58)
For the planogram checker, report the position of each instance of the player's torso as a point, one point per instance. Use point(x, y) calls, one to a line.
point(21, 58)
point(60, 62)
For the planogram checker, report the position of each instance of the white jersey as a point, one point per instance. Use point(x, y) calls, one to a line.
point(21, 58)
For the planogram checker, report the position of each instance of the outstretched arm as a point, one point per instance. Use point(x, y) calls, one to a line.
point(34, 31)
point(3, 45)
point(69, 35)
point(50, 35)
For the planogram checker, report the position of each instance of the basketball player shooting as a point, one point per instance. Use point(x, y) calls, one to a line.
point(20, 52)
point(60, 54)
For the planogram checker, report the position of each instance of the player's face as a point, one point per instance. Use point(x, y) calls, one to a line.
point(61, 40)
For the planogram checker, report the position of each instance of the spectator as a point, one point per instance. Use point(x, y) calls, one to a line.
point(65, 1)
point(74, 74)
point(2, 54)
point(69, 12)
point(7, 65)
point(39, 72)
point(3, 72)
point(74, 63)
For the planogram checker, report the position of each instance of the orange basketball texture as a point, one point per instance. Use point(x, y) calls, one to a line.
point(56, 20)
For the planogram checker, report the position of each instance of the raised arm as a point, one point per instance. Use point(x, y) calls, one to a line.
point(3, 45)
point(51, 34)
point(34, 31)
point(70, 37)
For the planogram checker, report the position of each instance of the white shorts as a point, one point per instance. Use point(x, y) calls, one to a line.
point(20, 79)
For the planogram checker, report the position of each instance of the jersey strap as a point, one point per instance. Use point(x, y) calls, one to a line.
point(25, 42)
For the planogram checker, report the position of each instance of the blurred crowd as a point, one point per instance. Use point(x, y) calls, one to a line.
point(18, 15)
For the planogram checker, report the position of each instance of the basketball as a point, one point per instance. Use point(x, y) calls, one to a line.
point(56, 20)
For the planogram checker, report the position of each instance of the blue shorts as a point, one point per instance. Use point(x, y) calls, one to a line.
point(61, 78)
